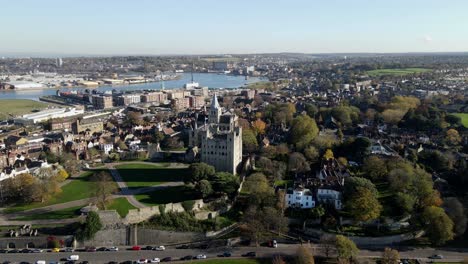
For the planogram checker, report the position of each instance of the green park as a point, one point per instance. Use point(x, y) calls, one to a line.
point(397, 72)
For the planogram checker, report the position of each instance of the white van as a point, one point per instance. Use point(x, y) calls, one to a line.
point(73, 257)
point(41, 262)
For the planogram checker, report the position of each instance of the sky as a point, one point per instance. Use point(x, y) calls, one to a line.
point(144, 27)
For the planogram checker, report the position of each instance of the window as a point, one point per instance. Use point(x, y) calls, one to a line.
point(307, 204)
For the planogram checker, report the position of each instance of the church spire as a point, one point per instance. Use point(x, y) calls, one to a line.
point(214, 102)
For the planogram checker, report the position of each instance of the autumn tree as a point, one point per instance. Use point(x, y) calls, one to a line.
point(390, 256)
point(375, 168)
point(345, 248)
point(104, 188)
point(249, 141)
point(303, 131)
point(304, 256)
point(452, 137)
point(328, 154)
point(363, 205)
point(258, 127)
point(438, 225)
point(298, 163)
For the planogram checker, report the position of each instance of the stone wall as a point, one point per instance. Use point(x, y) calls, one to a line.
point(108, 237)
point(134, 216)
point(31, 242)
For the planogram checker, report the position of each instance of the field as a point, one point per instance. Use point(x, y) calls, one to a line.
point(121, 205)
point(464, 118)
point(14, 107)
point(59, 214)
point(145, 175)
point(174, 194)
point(77, 189)
point(397, 72)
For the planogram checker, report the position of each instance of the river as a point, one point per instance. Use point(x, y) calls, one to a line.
point(211, 80)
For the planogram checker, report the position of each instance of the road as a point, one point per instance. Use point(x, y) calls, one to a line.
point(124, 255)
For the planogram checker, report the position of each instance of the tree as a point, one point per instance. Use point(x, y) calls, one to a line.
point(345, 248)
point(454, 209)
point(452, 137)
point(249, 141)
point(69, 163)
point(122, 145)
point(158, 137)
point(63, 174)
point(254, 227)
point(405, 202)
point(303, 256)
point(375, 168)
point(363, 205)
point(328, 154)
point(256, 182)
point(438, 225)
point(91, 226)
point(199, 171)
point(303, 131)
point(312, 154)
point(204, 187)
point(104, 187)
point(277, 259)
point(328, 243)
point(225, 182)
point(353, 183)
point(390, 256)
point(258, 127)
point(133, 119)
point(298, 163)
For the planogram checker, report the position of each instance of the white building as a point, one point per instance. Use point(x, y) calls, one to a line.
point(299, 198)
point(330, 196)
point(220, 140)
point(50, 114)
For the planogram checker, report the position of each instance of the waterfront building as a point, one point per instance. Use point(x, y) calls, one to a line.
point(101, 101)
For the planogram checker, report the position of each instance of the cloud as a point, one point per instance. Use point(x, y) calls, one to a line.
point(427, 38)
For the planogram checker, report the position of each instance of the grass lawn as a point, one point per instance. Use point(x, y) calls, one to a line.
point(144, 175)
point(464, 118)
point(77, 189)
point(396, 72)
point(60, 214)
point(121, 205)
point(174, 194)
point(14, 107)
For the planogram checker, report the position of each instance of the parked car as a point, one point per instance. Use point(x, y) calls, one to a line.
point(189, 257)
point(436, 256)
point(250, 254)
point(160, 248)
point(37, 250)
point(225, 255)
point(155, 260)
point(26, 250)
point(168, 259)
point(90, 249)
point(148, 248)
point(141, 261)
point(56, 250)
point(74, 258)
point(136, 248)
point(69, 250)
point(112, 249)
point(3, 251)
point(183, 247)
point(201, 256)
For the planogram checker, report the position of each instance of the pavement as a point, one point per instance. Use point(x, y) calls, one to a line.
point(262, 252)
